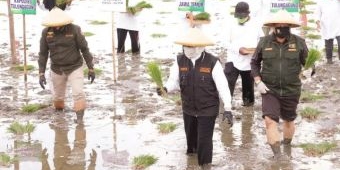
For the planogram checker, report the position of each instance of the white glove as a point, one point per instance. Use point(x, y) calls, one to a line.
point(261, 87)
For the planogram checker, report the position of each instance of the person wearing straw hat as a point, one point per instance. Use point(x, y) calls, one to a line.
point(242, 38)
point(200, 78)
point(276, 65)
point(66, 46)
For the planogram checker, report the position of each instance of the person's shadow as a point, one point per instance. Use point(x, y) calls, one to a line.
point(66, 158)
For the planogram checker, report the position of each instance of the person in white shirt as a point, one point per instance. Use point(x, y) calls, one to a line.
point(128, 23)
point(328, 22)
point(199, 76)
point(242, 38)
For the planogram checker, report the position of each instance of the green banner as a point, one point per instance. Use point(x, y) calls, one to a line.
point(289, 5)
point(23, 6)
point(191, 5)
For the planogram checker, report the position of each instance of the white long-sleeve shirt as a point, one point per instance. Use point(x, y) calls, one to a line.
point(219, 78)
point(328, 12)
point(237, 36)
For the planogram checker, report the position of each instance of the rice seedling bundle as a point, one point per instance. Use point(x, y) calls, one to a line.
point(155, 74)
point(313, 56)
point(138, 7)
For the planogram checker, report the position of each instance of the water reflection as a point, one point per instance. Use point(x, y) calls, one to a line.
point(66, 158)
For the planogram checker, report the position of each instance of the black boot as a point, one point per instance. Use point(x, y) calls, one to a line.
point(80, 115)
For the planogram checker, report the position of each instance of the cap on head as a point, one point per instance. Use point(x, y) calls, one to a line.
point(281, 17)
point(241, 10)
point(194, 38)
point(56, 17)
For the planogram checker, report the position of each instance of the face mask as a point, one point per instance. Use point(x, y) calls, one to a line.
point(282, 32)
point(241, 21)
point(192, 52)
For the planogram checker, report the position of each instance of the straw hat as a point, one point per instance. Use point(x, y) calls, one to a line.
point(281, 17)
point(56, 17)
point(194, 38)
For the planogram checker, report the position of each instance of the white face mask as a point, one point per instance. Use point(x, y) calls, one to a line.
point(192, 52)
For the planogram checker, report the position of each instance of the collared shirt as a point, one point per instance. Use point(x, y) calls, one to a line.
point(246, 35)
point(219, 78)
point(328, 12)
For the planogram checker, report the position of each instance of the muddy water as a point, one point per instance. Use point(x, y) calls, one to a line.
point(122, 117)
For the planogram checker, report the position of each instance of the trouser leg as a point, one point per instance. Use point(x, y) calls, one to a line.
point(205, 135)
point(76, 79)
point(231, 74)
point(338, 41)
point(134, 36)
point(121, 35)
point(59, 83)
point(247, 88)
point(190, 127)
point(329, 48)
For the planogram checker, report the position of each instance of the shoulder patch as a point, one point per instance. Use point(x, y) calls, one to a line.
point(183, 69)
point(49, 34)
point(205, 70)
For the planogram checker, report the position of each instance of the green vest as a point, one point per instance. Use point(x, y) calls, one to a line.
point(281, 65)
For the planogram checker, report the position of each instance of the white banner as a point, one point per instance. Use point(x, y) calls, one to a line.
point(114, 5)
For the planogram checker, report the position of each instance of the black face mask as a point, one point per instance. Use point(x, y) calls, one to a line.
point(282, 32)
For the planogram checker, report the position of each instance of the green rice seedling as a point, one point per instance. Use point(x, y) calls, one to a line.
point(16, 128)
point(21, 67)
point(310, 113)
point(311, 20)
point(166, 127)
point(311, 149)
point(29, 128)
point(313, 36)
point(30, 108)
point(156, 75)
point(144, 161)
point(313, 56)
point(202, 16)
point(95, 22)
point(158, 35)
point(97, 71)
point(310, 97)
point(138, 7)
point(88, 34)
point(6, 160)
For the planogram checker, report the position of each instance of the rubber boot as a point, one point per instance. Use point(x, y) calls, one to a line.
point(205, 167)
point(80, 115)
point(287, 147)
point(278, 156)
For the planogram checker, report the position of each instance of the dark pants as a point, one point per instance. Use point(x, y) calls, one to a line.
point(232, 74)
point(199, 133)
point(329, 47)
point(134, 37)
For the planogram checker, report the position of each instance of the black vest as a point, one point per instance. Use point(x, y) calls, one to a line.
point(198, 90)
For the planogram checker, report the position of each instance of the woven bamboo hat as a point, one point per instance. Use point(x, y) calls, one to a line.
point(56, 17)
point(194, 38)
point(281, 17)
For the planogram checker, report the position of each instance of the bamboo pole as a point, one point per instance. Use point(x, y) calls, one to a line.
point(24, 33)
point(113, 50)
point(11, 34)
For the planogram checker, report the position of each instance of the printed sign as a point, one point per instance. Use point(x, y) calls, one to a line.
point(23, 6)
point(191, 5)
point(114, 5)
point(289, 5)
